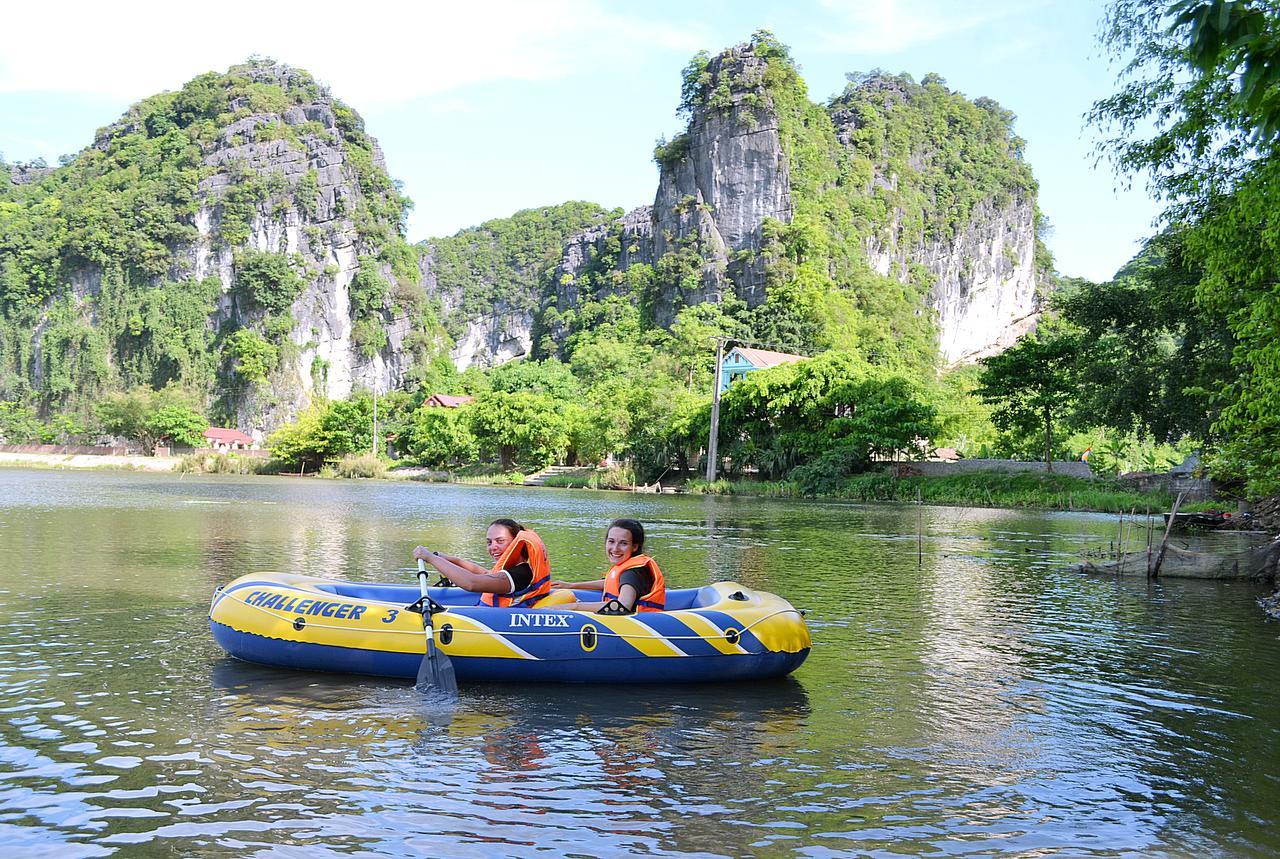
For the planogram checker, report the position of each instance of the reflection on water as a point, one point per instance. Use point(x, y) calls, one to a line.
point(983, 701)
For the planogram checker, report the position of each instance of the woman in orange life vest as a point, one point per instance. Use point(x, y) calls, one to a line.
point(633, 581)
point(520, 575)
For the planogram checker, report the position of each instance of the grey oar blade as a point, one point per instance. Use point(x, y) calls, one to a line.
point(435, 674)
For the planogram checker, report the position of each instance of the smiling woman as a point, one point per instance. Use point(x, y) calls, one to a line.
point(634, 581)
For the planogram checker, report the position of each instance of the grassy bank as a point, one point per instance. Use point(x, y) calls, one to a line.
point(978, 489)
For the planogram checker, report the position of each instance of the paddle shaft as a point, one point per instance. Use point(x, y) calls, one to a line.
point(426, 610)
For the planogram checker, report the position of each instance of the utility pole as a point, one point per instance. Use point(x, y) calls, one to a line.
point(715, 413)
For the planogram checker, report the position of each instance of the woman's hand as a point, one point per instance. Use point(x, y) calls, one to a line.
point(422, 553)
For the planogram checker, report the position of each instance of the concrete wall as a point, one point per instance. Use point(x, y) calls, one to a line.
point(968, 466)
point(65, 449)
point(1197, 488)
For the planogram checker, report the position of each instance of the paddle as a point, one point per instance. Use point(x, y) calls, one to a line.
point(435, 674)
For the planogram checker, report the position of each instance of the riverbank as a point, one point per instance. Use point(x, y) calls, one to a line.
point(975, 489)
point(89, 461)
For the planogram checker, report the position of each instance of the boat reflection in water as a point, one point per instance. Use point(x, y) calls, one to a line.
point(544, 764)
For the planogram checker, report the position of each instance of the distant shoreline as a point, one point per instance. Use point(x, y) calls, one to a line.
point(90, 461)
point(974, 490)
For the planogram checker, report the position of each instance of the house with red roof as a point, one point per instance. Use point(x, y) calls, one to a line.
point(220, 438)
point(448, 402)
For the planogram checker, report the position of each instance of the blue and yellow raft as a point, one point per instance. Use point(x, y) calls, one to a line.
point(720, 632)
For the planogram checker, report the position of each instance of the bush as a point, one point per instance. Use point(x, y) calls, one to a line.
point(219, 463)
point(830, 471)
point(251, 356)
point(266, 279)
point(361, 465)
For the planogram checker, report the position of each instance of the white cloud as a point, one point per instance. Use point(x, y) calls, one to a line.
point(890, 26)
point(370, 52)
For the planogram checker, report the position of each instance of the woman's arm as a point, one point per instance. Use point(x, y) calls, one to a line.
point(593, 585)
point(481, 583)
point(627, 595)
point(465, 564)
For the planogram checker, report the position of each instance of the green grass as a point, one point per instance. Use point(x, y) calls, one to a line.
point(361, 465)
point(765, 488)
point(220, 463)
point(986, 489)
point(617, 477)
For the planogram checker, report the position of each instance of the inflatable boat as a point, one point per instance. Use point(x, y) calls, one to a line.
point(719, 632)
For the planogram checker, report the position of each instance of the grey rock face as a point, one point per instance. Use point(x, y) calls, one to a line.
point(729, 173)
point(732, 177)
point(27, 174)
point(502, 333)
point(315, 229)
point(985, 291)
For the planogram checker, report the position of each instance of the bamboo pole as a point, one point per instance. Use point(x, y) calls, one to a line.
point(919, 531)
point(1120, 545)
point(1168, 527)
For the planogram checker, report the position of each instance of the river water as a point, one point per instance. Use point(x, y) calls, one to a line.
point(984, 701)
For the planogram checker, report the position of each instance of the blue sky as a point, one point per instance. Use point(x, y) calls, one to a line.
point(499, 105)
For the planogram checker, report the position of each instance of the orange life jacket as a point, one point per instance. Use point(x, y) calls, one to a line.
point(654, 600)
point(526, 548)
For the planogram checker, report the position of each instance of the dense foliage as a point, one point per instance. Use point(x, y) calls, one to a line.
point(1199, 115)
point(151, 417)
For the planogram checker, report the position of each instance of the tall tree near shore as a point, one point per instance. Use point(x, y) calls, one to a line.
point(1204, 76)
point(1033, 384)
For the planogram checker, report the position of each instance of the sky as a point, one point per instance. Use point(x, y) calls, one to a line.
point(491, 106)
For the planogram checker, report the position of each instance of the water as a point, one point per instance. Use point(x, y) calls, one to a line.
point(984, 702)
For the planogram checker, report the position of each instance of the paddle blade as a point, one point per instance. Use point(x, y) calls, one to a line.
point(435, 674)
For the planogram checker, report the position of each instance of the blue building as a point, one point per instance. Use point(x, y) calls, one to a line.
point(742, 360)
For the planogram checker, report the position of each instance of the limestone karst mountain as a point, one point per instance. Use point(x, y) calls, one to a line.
point(242, 237)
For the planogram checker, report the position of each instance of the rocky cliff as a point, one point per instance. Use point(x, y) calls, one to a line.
point(911, 182)
point(241, 238)
point(723, 178)
point(257, 255)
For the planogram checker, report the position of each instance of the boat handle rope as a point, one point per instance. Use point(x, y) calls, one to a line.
point(656, 636)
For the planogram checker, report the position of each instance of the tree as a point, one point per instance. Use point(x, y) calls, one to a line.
point(178, 423)
point(1207, 81)
point(148, 416)
point(524, 429)
point(1033, 384)
point(1204, 77)
point(1157, 359)
point(299, 444)
point(441, 437)
point(19, 424)
point(549, 377)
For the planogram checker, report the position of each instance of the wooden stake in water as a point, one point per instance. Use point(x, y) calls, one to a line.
point(1148, 540)
point(1120, 546)
point(1168, 527)
point(919, 530)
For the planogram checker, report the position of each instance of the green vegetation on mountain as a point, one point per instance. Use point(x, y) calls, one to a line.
point(506, 262)
point(97, 292)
